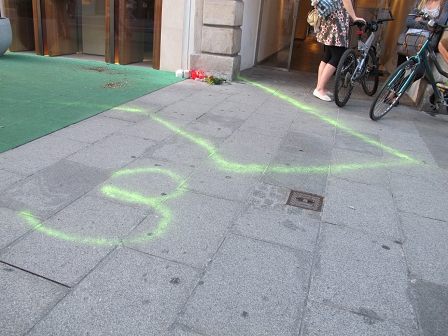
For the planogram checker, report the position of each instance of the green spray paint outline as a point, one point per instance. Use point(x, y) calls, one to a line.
point(223, 164)
point(126, 196)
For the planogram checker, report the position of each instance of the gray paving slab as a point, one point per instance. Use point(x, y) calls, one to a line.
point(25, 299)
point(314, 127)
point(113, 152)
point(249, 97)
point(92, 129)
point(12, 227)
point(426, 248)
point(188, 229)
point(431, 305)
point(363, 143)
point(129, 293)
point(365, 207)
point(206, 97)
point(427, 197)
point(181, 330)
point(153, 128)
point(239, 110)
point(182, 148)
point(413, 164)
point(38, 154)
point(307, 143)
point(144, 183)
point(270, 125)
point(68, 246)
point(259, 148)
point(212, 125)
point(305, 172)
point(292, 230)
point(133, 111)
point(277, 107)
point(226, 177)
point(358, 121)
point(433, 130)
point(164, 97)
point(396, 124)
point(362, 273)
point(439, 154)
point(8, 178)
point(359, 167)
point(405, 142)
point(184, 110)
point(51, 189)
point(251, 288)
point(323, 319)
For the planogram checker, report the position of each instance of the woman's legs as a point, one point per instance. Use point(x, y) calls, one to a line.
point(327, 68)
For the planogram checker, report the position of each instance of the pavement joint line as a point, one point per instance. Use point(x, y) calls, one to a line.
point(35, 274)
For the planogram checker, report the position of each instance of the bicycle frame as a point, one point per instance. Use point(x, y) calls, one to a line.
point(364, 48)
point(422, 57)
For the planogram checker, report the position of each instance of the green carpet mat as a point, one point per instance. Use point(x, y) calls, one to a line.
point(40, 95)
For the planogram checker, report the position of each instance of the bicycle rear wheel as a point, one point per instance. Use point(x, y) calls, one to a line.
point(393, 89)
point(343, 85)
point(369, 80)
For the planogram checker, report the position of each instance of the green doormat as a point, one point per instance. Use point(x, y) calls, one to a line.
point(40, 95)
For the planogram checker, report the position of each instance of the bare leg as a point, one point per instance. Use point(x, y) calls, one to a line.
point(324, 74)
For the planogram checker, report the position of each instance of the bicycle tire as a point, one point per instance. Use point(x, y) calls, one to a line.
point(343, 86)
point(386, 98)
point(369, 80)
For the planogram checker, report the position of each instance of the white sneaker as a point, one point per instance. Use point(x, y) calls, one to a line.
point(321, 96)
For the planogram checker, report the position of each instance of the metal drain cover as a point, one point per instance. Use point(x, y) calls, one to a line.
point(304, 200)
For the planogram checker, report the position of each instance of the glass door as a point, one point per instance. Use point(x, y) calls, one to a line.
point(278, 20)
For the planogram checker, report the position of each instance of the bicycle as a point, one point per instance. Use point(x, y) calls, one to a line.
point(363, 69)
point(404, 75)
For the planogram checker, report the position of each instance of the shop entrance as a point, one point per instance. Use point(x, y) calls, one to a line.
point(287, 42)
point(113, 31)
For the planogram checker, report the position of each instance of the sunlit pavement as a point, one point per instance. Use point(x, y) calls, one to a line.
point(173, 215)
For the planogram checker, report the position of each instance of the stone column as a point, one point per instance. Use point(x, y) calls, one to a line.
point(220, 39)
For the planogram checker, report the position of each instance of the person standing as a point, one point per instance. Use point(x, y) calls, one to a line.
point(334, 35)
point(436, 9)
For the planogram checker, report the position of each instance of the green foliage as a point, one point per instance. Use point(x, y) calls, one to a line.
point(214, 80)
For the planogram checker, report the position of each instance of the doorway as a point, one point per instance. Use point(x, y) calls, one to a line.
point(286, 41)
point(113, 31)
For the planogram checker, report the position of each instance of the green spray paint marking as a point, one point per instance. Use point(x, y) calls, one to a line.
point(157, 202)
point(125, 196)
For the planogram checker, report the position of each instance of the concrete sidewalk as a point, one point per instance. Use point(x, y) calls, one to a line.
point(168, 216)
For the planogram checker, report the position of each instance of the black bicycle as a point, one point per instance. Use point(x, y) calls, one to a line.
point(414, 68)
point(363, 68)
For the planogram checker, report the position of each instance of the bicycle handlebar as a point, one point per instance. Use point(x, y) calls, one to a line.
point(371, 25)
point(431, 21)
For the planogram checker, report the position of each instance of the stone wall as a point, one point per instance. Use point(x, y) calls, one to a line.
point(220, 39)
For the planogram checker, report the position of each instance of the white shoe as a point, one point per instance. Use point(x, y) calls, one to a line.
point(321, 96)
point(329, 94)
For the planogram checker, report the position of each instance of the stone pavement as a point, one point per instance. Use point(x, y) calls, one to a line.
point(168, 215)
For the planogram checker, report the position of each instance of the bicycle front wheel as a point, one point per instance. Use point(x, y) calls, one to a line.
point(393, 89)
point(370, 78)
point(343, 84)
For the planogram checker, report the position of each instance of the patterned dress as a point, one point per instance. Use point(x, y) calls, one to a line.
point(334, 29)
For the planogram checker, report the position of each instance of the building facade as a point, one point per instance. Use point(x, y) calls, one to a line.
point(221, 37)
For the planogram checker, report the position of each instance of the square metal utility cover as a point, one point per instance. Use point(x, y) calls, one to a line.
point(304, 200)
